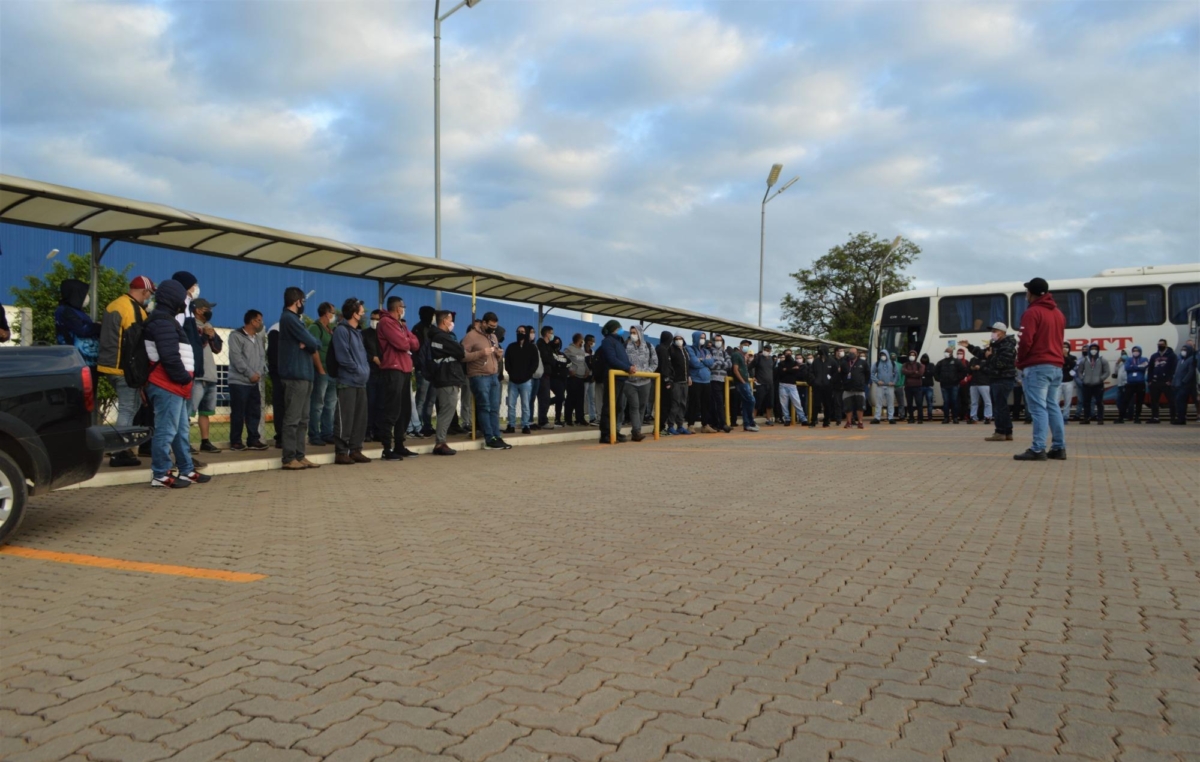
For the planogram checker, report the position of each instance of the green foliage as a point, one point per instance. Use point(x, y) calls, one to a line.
point(837, 295)
point(41, 294)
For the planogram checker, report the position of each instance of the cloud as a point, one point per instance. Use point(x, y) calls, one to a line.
point(622, 146)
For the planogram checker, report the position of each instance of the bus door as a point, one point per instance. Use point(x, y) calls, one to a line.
point(903, 325)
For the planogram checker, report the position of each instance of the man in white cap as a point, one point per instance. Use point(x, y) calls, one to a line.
point(1002, 368)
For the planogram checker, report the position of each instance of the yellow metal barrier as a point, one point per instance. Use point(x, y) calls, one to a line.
point(612, 400)
point(808, 398)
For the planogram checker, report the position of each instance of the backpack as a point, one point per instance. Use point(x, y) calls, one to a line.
point(332, 366)
point(135, 360)
point(423, 359)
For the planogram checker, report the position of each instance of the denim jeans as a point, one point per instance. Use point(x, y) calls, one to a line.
point(245, 408)
point(486, 390)
point(927, 398)
point(589, 398)
point(1041, 396)
point(949, 403)
point(170, 432)
point(321, 408)
point(426, 396)
point(519, 392)
point(128, 400)
point(981, 394)
point(789, 394)
point(999, 389)
point(747, 396)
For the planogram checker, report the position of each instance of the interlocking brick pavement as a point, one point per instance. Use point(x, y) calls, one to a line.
point(904, 594)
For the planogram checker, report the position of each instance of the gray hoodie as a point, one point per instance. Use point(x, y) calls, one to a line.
point(721, 364)
point(643, 357)
point(247, 357)
point(1092, 370)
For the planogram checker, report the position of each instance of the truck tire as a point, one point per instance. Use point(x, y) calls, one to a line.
point(13, 494)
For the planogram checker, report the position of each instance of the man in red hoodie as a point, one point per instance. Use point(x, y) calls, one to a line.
point(396, 345)
point(1040, 359)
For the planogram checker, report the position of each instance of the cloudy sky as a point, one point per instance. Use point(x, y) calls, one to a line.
point(623, 146)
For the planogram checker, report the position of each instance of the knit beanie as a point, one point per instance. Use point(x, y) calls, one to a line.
point(611, 326)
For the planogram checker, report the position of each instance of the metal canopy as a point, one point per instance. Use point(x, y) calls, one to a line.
point(38, 204)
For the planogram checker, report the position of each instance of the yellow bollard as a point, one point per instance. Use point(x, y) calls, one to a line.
point(728, 417)
point(657, 402)
point(612, 405)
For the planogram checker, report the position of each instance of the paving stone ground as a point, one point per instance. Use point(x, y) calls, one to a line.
point(899, 593)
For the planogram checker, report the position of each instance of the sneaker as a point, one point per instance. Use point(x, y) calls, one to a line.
point(594, 422)
point(726, 429)
point(874, 421)
point(343, 459)
point(391, 455)
point(706, 429)
point(237, 447)
point(169, 482)
point(1031, 455)
point(509, 430)
point(193, 450)
point(892, 421)
point(769, 422)
point(638, 436)
point(1084, 422)
point(308, 463)
point(559, 424)
point(358, 457)
point(684, 432)
point(860, 424)
point(752, 428)
point(997, 437)
point(294, 465)
point(622, 438)
point(196, 477)
point(846, 426)
point(497, 444)
point(124, 459)
point(207, 446)
point(407, 452)
point(444, 449)
point(526, 430)
point(257, 445)
point(1059, 454)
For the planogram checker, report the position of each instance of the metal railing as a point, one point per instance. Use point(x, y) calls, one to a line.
point(612, 399)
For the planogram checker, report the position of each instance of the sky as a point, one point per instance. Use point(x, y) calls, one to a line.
point(624, 146)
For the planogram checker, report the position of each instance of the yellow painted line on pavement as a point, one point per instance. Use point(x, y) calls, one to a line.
point(136, 566)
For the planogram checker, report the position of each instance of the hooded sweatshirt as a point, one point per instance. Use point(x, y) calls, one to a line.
point(1042, 327)
point(396, 344)
point(354, 367)
point(643, 357)
point(763, 369)
point(171, 360)
point(663, 352)
point(721, 364)
point(1135, 368)
point(576, 359)
point(521, 360)
point(678, 364)
point(1092, 371)
point(883, 372)
point(73, 327)
point(700, 361)
point(1162, 367)
point(913, 371)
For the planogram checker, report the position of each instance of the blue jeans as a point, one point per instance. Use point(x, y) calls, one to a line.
point(949, 403)
point(322, 405)
point(522, 391)
point(927, 399)
point(486, 390)
point(128, 400)
point(589, 400)
point(789, 394)
point(170, 432)
point(747, 396)
point(1041, 396)
point(426, 397)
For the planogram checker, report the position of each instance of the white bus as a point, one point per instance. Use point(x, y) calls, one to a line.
point(1117, 309)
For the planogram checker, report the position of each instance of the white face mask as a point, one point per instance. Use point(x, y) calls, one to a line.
point(632, 337)
point(374, 323)
point(1094, 352)
point(996, 336)
point(912, 358)
point(840, 355)
point(679, 342)
point(718, 344)
point(195, 292)
point(746, 349)
point(810, 361)
point(550, 337)
point(87, 300)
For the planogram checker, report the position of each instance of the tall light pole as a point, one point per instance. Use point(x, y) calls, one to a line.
point(883, 263)
point(438, 18)
point(772, 178)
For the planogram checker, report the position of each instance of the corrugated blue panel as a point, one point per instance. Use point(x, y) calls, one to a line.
point(236, 287)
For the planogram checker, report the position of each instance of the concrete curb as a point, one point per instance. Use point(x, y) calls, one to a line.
point(269, 460)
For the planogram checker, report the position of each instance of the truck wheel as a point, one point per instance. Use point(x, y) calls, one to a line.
point(12, 497)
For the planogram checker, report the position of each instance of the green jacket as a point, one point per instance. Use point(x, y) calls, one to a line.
point(325, 337)
point(899, 375)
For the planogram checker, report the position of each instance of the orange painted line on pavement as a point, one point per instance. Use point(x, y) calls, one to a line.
point(840, 453)
point(137, 566)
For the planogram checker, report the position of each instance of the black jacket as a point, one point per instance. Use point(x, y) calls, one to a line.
point(820, 371)
point(855, 375)
point(929, 377)
point(166, 334)
point(1002, 363)
point(979, 371)
point(789, 371)
point(521, 361)
point(950, 371)
point(663, 350)
point(679, 363)
point(1069, 363)
point(448, 356)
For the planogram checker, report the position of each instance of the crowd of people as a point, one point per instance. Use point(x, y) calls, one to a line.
point(349, 377)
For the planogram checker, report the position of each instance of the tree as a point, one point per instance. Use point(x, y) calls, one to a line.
point(41, 295)
point(837, 295)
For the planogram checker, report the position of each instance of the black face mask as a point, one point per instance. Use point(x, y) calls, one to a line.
point(489, 329)
point(207, 316)
point(300, 309)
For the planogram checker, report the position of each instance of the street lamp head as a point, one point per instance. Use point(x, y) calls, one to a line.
point(473, 3)
point(896, 241)
point(774, 176)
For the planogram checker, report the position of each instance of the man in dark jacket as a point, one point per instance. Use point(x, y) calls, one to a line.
point(425, 399)
point(375, 389)
point(1002, 370)
point(763, 373)
point(855, 377)
point(521, 360)
point(949, 373)
point(545, 392)
point(662, 354)
point(299, 362)
point(74, 327)
point(820, 378)
point(169, 388)
point(1159, 376)
point(353, 372)
point(611, 356)
point(789, 374)
point(447, 376)
point(676, 369)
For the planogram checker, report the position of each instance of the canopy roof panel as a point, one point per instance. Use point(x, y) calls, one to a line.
point(30, 202)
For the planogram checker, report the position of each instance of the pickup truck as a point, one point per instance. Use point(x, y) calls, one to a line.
point(47, 439)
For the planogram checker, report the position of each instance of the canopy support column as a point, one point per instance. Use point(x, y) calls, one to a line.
point(94, 287)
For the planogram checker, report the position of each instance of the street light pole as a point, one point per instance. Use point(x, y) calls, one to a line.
point(883, 263)
point(437, 126)
point(772, 178)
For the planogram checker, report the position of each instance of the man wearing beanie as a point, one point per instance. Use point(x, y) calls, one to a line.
point(191, 291)
point(611, 356)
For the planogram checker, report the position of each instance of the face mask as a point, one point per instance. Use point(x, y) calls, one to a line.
point(912, 358)
point(374, 323)
point(1183, 353)
point(679, 342)
point(766, 354)
point(1161, 347)
point(839, 355)
point(300, 308)
point(633, 337)
point(550, 337)
point(810, 361)
point(489, 329)
point(206, 316)
point(746, 348)
point(87, 299)
point(718, 344)
point(151, 303)
point(195, 292)
point(702, 340)
point(1094, 352)
point(997, 337)
point(1137, 354)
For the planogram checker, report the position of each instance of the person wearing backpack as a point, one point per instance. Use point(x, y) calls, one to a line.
point(350, 369)
point(120, 316)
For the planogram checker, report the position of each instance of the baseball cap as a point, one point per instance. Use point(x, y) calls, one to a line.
point(202, 304)
point(998, 326)
point(142, 281)
point(1038, 286)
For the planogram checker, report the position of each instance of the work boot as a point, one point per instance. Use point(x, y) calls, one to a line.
point(997, 437)
point(294, 465)
point(343, 459)
point(638, 436)
point(358, 457)
point(444, 449)
point(308, 463)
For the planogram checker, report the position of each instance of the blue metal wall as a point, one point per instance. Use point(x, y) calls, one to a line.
point(239, 286)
